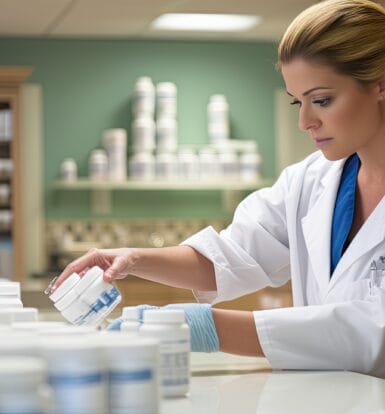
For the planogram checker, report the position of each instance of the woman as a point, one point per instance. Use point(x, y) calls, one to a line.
point(322, 223)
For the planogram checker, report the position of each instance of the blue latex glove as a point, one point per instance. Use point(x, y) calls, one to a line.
point(199, 317)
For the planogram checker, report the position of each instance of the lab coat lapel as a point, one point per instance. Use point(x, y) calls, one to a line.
point(369, 236)
point(316, 226)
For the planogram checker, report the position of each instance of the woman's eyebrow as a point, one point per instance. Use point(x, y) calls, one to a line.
point(311, 90)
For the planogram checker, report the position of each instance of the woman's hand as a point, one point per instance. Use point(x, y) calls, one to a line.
point(116, 264)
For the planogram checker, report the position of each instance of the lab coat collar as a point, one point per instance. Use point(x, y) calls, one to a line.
point(369, 236)
point(316, 226)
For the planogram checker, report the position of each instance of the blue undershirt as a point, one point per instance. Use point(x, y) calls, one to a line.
point(343, 211)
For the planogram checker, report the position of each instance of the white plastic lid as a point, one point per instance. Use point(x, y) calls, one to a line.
point(163, 316)
point(67, 285)
point(37, 326)
point(130, 313)
point(69, 330)
point(18, 315)
point(218, 98)
point(66, 300)
point(10, 289)
point(18, 372)
point(144, 82)
point(86, 280)
point(166, 88)
point(9, 302)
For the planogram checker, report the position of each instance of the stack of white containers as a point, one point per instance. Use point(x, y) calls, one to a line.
point(142, 161)
point(218, 120)
point(115, 143)
point(166, 131)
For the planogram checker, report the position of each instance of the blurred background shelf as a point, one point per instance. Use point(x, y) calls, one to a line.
point(101, 201)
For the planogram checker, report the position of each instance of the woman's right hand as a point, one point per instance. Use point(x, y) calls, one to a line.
point(116, 264)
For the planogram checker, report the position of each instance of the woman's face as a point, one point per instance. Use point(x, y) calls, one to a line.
point(341, 115)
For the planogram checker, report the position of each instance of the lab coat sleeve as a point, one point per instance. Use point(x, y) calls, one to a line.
point(336, 336)
point(253, 251)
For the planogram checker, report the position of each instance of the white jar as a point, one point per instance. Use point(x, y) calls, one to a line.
point(10, 295)
point(98, 165)
point(115, 143)
point(133, 368)
point(169, 327)
point(166, 135)
point(68, 170)
point(130, 319)
point(76, 372)
point(23, 381)
point(166, 100)
point(228, 164)
point(143, 101)
point(188, 164)
point(208, 164)
point(142, 166)
point(14, 342)
point(166, 167)
point(143, 134)
point(18, 315)
point(250, 162)
point(218, 119)
point(89, 300)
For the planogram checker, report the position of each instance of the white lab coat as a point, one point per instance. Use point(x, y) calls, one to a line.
point(284, 231)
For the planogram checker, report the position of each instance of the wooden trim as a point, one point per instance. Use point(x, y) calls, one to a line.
point(10, 79)
point(14, 75)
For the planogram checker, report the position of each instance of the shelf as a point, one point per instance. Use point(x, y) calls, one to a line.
point(85, 184)
point(101, 190)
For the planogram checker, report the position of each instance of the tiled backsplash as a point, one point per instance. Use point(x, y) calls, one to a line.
point(67, 239)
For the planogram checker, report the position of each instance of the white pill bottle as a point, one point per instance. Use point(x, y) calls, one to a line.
point(168, 326)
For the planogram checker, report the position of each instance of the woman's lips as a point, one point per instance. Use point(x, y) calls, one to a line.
point(322, 142)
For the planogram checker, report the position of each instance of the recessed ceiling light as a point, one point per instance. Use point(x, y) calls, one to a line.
point(205, 22)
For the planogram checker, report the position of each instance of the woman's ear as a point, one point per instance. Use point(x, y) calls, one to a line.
point(381, 89)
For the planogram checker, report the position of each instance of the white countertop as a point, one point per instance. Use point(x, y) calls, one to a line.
point(257, 390)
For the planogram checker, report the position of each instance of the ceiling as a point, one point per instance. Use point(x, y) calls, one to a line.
point(132, 18)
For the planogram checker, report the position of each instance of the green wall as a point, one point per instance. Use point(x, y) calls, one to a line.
point(87, 86)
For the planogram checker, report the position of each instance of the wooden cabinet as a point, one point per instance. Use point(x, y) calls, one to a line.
point(10, 172)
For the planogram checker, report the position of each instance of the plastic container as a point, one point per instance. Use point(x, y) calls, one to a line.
point(115, 143)
point(166, 135)
point(130, 317)
point(218, 119)
point(228, 164)
point(250, 162)
point(169, 327)
point(89, 300)
point(23, 385)
point(143, 102)
point(10, 295)
point(166, 166)
point(188, 165)
point(68, 170)
point(76, 371)
point(98, 165)
point(143, 134)
point(133, 367)
point(208, 164)
point(142, 166)
point(11, 315)
point(15, 342)
point(166, 100)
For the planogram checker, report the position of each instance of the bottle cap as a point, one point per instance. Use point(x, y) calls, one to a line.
point(163, 316)
point(130, 313)
point(65, 287)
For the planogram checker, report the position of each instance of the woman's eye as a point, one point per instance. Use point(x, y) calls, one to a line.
point(322, 102)
point(295, 102)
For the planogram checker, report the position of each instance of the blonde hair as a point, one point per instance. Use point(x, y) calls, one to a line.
point(347, 35)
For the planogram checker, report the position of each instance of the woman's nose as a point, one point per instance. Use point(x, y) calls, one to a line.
point(307, 119)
